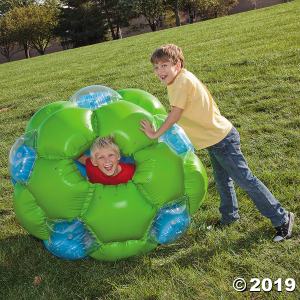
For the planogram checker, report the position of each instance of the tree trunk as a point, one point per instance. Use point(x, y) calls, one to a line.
point(113, 32)
point(177, 16)
point(26, 49)
point(111, 27)
point(176, 11)
point(191, 16)
point(152, 25)
point(163, 22)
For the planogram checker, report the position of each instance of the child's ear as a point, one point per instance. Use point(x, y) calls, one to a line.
point(119, 157)
point(93, 163)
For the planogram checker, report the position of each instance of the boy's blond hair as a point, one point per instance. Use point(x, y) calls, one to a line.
point(169, 52)
point(104, 143)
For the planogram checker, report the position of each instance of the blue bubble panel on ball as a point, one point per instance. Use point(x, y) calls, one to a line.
point(22, 158)
point(127, 160)
point(170, 223)
point(70, 240)
point(80, 166)
point(175, 137)
point(95, 96)
point(93, 101)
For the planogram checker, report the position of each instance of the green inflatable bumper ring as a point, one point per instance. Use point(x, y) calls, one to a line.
point(76, 219)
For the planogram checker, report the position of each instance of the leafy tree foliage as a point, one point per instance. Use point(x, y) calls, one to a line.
point(175, 6)
point(43, 21)
point(33, 26)
point(205, 9)
point(20, 22)
point(7, 5)
point(151, 10)
point(210, 9)
point(81, 22)
point(119, 13)
point(7, 41)
point(191, 7)
point(87, 22)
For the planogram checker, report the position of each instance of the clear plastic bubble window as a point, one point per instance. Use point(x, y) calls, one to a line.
point(22, 157)
point(171, 222)
point(175, 137)
point(95, 96)
point(70, 239)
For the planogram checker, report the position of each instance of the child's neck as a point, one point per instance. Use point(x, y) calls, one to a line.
point(175, 76)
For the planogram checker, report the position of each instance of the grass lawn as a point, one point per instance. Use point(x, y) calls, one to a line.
point(250, 63)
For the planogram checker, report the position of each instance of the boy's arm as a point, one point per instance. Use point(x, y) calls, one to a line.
point(172, 118)
point(82, 159)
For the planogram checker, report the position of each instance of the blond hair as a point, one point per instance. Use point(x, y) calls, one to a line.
point(104, 143)
point(169, 52)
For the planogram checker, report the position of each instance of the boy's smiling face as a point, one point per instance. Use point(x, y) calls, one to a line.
point(167, 71)
point(107, 161)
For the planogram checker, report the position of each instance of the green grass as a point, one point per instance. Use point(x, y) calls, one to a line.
point(250, 63)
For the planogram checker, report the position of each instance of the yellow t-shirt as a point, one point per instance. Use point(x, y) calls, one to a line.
point(201, 119)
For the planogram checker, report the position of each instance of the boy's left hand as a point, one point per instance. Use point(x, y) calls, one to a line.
point(148, 129)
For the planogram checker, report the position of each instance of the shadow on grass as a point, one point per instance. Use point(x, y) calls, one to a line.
point(204, 245)
point(23, 258)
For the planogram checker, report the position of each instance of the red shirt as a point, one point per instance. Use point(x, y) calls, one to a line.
point(96, 176)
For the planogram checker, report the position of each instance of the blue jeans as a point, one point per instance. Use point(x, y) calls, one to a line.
point(230, 165)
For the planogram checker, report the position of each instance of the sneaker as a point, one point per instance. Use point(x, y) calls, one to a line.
point(284, 231)
point(220, 225)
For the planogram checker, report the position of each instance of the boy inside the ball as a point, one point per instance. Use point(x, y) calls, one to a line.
point(104, 166)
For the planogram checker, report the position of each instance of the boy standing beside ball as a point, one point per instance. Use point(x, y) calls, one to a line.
point(196, 112)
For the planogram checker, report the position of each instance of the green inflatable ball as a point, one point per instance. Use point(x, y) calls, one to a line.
point(76, 219)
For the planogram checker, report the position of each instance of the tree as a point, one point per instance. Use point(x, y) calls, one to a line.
point(7, 5)
point(82, 22)
point(151, 10)
point(175, 6)
point(32, 26)
point(118, 13)
point(20, 22)
point(191, 7)
point(43, 20)
point(7, 40)
point(209, 9)
point(221, 7)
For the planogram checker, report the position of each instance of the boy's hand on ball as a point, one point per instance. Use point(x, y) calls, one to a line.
point(148, 129)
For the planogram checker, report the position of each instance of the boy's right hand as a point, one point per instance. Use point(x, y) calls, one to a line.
point(148, 129)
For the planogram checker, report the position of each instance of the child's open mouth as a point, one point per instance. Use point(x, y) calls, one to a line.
point(108, 168)
point(164, 77)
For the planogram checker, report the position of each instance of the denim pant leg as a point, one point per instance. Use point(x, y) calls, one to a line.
point(228, 154)
point(224, 184)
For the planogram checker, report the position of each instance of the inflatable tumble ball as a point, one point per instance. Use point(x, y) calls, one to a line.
point(76, 219)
